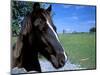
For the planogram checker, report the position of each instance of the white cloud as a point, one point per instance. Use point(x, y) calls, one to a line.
point(75, 17)
point(68, 30)
point(67, 6)
point(79, 7)
point(73, 6)
point(71, 18)
point(91, 22)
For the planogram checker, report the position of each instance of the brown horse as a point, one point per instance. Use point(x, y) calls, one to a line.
point(38, 35)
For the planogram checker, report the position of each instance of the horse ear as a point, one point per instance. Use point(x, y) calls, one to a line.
point(49, 8)
point(36, 6)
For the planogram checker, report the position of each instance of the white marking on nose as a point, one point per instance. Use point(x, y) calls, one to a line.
point(57, 39)
point(53, 30)
point(65, 57)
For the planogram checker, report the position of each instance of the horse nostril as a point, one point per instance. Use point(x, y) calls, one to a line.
point(61, 59)
point(61, 62)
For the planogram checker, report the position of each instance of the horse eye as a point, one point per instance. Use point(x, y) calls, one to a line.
point(37, 22)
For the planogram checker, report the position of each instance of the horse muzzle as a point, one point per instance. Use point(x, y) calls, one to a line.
point(59, 60)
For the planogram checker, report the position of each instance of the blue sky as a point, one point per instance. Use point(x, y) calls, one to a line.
point(74, 17)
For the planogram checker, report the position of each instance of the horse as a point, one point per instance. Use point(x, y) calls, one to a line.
point(38, 35)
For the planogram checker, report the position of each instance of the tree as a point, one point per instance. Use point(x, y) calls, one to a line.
point(93, 29)
point(19, 10)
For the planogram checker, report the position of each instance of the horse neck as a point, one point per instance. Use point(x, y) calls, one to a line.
point(30, 57)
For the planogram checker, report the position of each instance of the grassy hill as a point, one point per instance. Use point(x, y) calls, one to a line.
point(80, 48)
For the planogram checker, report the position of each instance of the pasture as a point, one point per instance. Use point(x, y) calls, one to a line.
point(80, 48)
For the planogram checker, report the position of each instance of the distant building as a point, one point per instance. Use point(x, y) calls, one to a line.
point(64, 31)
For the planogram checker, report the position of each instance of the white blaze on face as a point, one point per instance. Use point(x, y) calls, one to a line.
point(56, 37)
point(65, 57)
point(53, 30)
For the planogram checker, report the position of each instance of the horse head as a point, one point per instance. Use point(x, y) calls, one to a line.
point(48, 43)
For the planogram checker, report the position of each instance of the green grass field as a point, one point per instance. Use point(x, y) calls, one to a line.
point(80, 48)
